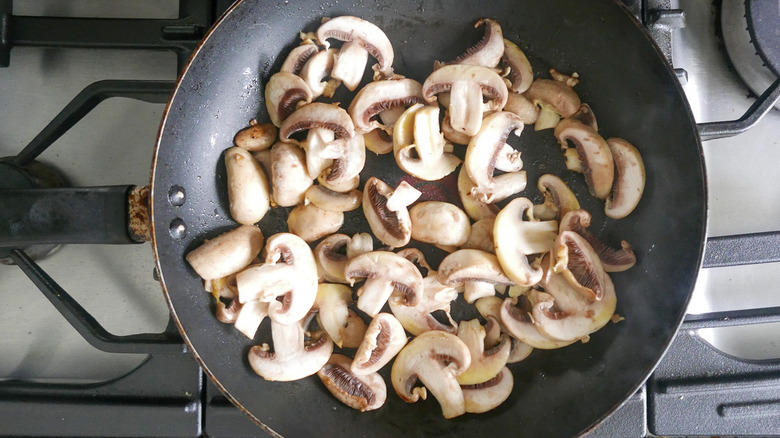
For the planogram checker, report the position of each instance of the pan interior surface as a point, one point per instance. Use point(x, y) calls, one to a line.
point(634, 95)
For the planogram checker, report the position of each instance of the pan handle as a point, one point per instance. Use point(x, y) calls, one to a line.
point(762, 105)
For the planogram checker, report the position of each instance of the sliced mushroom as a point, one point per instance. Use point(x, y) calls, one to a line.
point(384, 272)
point(524, 108)
point(227, 313)
point(384, 338)
point(349, 157)
point(629, 179)
point(289, 273)
point(316, 70)
point(521, 325)
point(362, 392)
point(311, 222)
point(256, 137)
point(485, 396)
point(494, 333)
point(586, 116)
point(331, 258)
point(227, 253)
point(378, 141)
point(570, 81)
point(380, 96)
point(354, 331)
point(327, 199)
point(558, 199)
point(450, 134)
point(341, 187)
point(521, 75)
point(486, 363)
point(613, 260)
point(556, 94)
point(468, 85)
point(483, 152)
point(298, 57)
point(332, 301)
point(475, 209)
point(250, 316)
point(478, 271)
point(593, 152)
point(419, 147)
point(249, 196)
point(293, 358)
point(284, 92)
point(440, 223)
point(289, 176)
point(481, 236)
point(360, 38)
point(487, 52)
point(386, 212)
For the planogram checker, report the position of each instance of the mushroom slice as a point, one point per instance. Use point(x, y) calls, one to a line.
point(516, 238)
point(508, 159)
point(451, 134)
point(311, 222)
point(293, 358)
point(493, 336)
point(384, 272)
point(298, 57)
point(289, 177)
point(485, 363)
point(249, 196)
point(478, 271)
point(378, 141)
point(349, 157)
point(316, 70)
point(586, 116)
point(483, 151)
point(475, 209)
point(558, 199)
point(332, 301)
point(386, 212)
point(284, 92)
point(593, 152)
point(227, 313)
point(521, 75)
point(575, 260)
point(557, 94)
point(354, 331)
point(362, 392)
point(380, 96)
point(436, 359)
point(629, 179)
point(484, 396)
point(481, 236)
point(360, 243)
point(289, 273)
point(521, 325)
point(331, 258)
point(440, 223)
point(342, 186)
point(361, 37)
point(227, 253)
point(385, 337)
point(250, 316)
point(524, 108)
point(468, 86)
point(327, 199)
point(487, 52)
point(256, 136)
point(419, 147)
point(325, 123)
point(613, 260)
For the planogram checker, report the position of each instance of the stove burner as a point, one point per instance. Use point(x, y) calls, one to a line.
point(763, 22)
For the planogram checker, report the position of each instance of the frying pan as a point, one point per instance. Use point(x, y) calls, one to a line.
point(634, 94)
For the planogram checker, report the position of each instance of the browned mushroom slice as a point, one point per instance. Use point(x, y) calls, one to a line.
point(487, 52)
point(298, 57)
point(385, 337)
point(284, 92)
point(593, 152)
point(613, 260)
point(380, 96)
point(560, 96)
point(495, 332)
point(478, 271)
point(289, 177)
point(521, 75)
point(386, 211)
point(524, 108)
point(256, 137)
point(362, 392)
point(629, 179)
point(558, 198)
point(384, 272)
point(485, 396)
point(586, 116)
point(293, 357)
point(473, 90)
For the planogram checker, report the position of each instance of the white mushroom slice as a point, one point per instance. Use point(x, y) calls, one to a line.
point(289, 177)
point(298, 57)
point(256, 136)
point(557, 94)
point(525, 109)
point(292, 358)
point(284, 92)
point(378, 141)
point(384, 272)
point(521, 75)
point(486, 363)
point(364, 392)
point(629, 179)
point(331, 259)
point(354, 331)
point(436, 359)
point(316, 70)
point(227, 253)
point(332, 301)
point(450, 134)
point(264, 158)
point(384, 338)
point(483, 151)
point(380, 96)
point(227, 313)
point(481, 236)
point(613, 260)
point(494, 334)
point(593, 152)
point(360, 243)
point(219, 287)
point(516, 238)
point(386, 212)
point(475, 209)
point(250, 316)
point(327, 199)
point(439, 223)
point(419, 147)
point(520, 324)
point(467, 85)
point(508, 159)
point(349, 157)
point(249, 196)
point(289, 272)
point(478, 271)
point(485, 396)
point(487, 52)
point(341, 187)
point(558, 199)
point(311, 222)
point(359, 36)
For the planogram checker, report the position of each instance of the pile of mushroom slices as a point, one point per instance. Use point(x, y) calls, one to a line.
point(535, 273)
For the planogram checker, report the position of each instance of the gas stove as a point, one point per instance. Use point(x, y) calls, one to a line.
point(90, 78)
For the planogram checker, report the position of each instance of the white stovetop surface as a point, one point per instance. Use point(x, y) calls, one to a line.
point(114, 145)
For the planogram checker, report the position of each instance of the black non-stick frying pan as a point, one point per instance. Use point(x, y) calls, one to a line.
point(634, 94)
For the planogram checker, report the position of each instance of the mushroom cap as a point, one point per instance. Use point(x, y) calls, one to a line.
point(283, 93)
point(384, 272)
point(594, 155)
point(384, 338)
point(379, 96)
point(386, 212)
point(362, 392)
point(249, 196)
point(629, 181)
point(366, 34)
point(289, 176)
point(331, 260)
point(256, 137)
point(227, 253)
point(311, 222)
point(292, 358)
point(439, 223)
